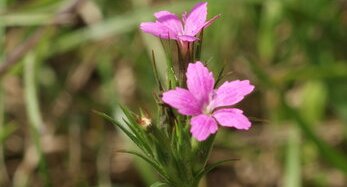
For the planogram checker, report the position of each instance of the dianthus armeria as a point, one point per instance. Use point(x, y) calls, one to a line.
point(165, 141)
point(169, 26)
point(209, 106)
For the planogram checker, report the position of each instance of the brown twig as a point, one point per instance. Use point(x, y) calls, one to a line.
point(14, 56)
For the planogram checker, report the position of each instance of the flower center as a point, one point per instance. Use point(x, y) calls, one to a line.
point(207, 108)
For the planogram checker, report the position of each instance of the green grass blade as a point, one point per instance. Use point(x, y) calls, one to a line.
point(293, 161)
point(333, 156)
point(34, 114)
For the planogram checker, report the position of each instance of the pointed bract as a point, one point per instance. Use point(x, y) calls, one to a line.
point(212, 20)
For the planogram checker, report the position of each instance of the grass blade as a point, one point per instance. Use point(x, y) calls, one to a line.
point(293, 165)
point(34, 114)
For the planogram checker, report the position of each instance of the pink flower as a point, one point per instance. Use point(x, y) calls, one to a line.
point(208, 106)
point(169, 26)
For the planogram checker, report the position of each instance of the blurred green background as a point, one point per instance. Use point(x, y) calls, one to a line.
point(62, 59)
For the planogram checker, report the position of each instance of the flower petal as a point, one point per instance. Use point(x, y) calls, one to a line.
point(200, 81)
point(203, 126)
point(182, 100)
point(232, 117)
point(159, 30)
point(170, 20)
point(196, 19)
point(231, 93)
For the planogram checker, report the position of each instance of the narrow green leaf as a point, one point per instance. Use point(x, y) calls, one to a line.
point(150, 161)
point(139, 142)
point(110, 119)
point(136, 128)
point(172, 79)
point(142, 139)
point(128, 133)
point(128, 114)
point(155, 71)
point(204, 171)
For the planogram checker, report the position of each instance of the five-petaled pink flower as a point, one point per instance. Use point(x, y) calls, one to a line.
point(209, 106)
point(169, 26)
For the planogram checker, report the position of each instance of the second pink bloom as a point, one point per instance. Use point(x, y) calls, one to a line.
point(169, 26)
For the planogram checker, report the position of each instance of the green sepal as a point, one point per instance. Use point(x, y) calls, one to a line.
point(198, 46)
point(155, 71)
